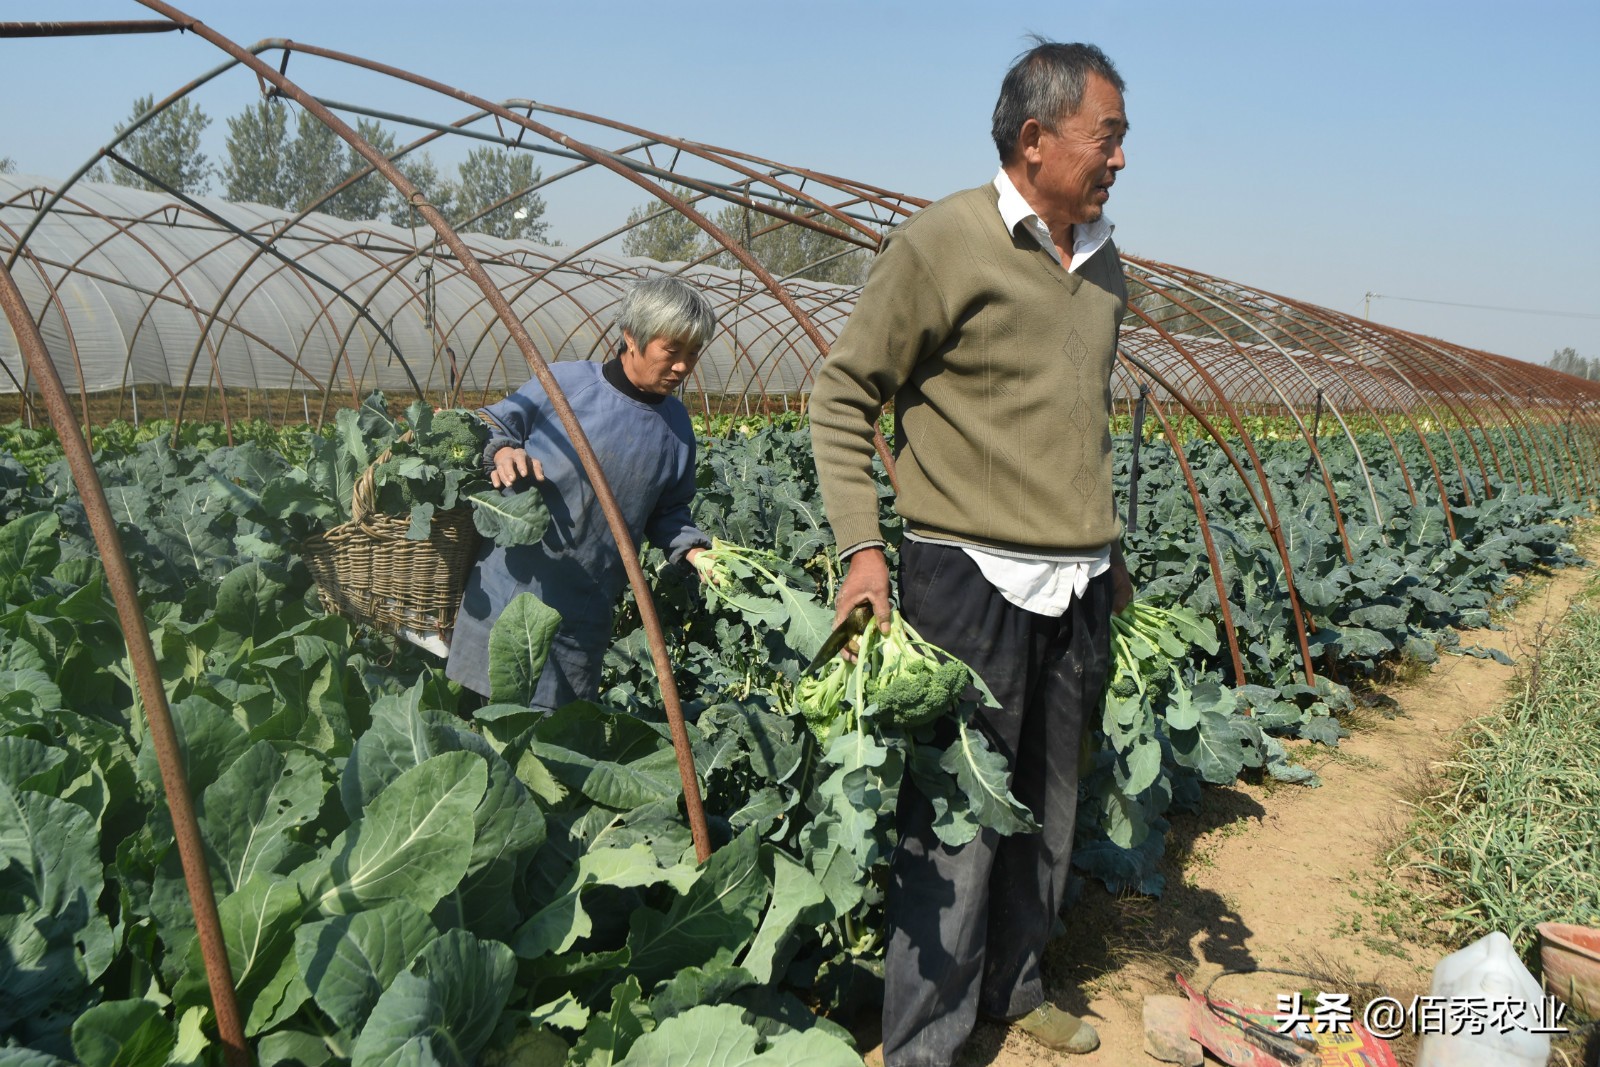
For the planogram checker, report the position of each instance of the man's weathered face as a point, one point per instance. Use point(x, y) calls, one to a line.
point(660, 366)
point(1074, 165)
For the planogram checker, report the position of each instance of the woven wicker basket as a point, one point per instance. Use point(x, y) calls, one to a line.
point(368, 570)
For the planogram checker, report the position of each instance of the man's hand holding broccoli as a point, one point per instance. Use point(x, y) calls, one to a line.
point(896, 678)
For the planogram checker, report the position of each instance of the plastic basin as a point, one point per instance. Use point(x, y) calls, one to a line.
point(1569, 955)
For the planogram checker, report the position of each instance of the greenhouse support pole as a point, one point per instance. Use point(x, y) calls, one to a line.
point(86, 29)
point(1212, 555)
point(1316, 425)
point(158, 717)
point(1133, 463)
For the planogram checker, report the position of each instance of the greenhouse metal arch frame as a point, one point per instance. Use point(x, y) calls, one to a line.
point(1216, 349)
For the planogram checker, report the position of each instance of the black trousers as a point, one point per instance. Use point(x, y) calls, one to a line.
point(968, 925)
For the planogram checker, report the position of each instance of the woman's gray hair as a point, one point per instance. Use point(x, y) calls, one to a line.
point(1046, 83)
point(670, 308)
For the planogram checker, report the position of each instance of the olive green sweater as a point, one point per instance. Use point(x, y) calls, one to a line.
point(999, 364)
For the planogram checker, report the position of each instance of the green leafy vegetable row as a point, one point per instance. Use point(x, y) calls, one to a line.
point(399, 883)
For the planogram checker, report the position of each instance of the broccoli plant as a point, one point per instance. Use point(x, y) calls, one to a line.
point(916, 682)
point(1147, 644)
point(438, 467)
point(904, 680)
point(767, 592)
point(441, 463)
point(871, 717)
point(897, 680)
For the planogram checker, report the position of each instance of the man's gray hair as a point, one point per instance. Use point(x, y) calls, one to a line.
point(670, 308)
point(1046, 83)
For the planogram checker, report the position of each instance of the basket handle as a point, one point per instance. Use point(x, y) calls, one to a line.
point(362, 503)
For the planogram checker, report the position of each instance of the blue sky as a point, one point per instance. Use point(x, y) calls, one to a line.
point(1429, 151)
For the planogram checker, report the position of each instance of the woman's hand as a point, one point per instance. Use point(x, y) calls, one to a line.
point(511, 464)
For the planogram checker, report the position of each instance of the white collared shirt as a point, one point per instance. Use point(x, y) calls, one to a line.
point(1044, 585)
point(1087, 238)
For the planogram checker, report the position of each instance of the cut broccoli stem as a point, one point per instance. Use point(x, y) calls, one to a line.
point(864, 657)
point(720, 552)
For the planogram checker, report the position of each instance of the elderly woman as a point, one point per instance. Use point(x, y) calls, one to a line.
point(642, 437)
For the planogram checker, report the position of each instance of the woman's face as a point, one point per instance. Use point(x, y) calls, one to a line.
point(660, 366)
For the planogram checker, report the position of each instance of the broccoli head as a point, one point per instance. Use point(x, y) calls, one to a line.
point(821, 700)
point(455, 440)
point(913, 682)
point(916, 694)
point(1125, 685)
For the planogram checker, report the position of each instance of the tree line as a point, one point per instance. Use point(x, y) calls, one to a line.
point(279, 155)
point(787, 250)
point(1568, 361)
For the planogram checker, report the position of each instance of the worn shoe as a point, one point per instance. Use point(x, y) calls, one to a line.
point(1057, 1030)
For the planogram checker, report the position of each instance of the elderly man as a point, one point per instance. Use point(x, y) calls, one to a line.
point(645, 444)
point(990, 320)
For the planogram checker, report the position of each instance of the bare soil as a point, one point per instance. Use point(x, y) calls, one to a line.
point(1273, 875)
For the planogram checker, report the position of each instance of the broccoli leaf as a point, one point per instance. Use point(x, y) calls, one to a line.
point(421, 522)
point(348, 961)
point(519, 645)
point(520, 519)
point(123, 1033)
point(713, 920)
point(984, 777)
point(444, 1009)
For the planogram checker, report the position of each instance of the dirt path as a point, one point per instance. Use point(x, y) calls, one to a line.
point(1267, 875)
